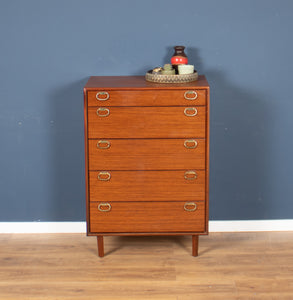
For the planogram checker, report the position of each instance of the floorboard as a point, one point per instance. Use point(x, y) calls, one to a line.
point(256, 265)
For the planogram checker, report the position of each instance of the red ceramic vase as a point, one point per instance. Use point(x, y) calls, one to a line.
point(179, 57)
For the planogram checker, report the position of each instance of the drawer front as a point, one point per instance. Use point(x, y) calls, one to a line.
point(147, 217)
point(185, 185)
point(146, 154)
point(146, 122)
point(147, 97)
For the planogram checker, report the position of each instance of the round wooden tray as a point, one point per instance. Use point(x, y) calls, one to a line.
point(158, 78)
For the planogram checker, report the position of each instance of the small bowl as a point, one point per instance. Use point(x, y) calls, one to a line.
point(185, 69)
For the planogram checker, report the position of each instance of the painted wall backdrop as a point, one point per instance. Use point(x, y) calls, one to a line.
point(49, 49)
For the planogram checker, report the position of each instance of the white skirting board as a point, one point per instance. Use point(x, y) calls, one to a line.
point(80, 227)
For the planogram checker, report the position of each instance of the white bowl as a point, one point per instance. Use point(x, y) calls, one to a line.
point(185, 69)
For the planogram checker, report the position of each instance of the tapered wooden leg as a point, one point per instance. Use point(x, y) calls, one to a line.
point(195, 245)
point(100, 241)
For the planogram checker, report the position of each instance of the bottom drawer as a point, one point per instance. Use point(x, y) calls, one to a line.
point(148, 217)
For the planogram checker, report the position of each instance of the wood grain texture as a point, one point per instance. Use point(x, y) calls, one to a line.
point(136, 126)
point(147, 186)
point(139, 83)
point(86, 161)
point(100, 242)
point(66, 266)
point(146, 154)
point(147, 217)
point(194, 245)
point(207, 157)
point(155, 97)
point(147, 122)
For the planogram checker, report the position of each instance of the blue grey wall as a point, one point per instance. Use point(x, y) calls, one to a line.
point(48, 49)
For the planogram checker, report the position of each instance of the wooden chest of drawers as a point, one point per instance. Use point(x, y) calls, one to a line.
point(147, 157)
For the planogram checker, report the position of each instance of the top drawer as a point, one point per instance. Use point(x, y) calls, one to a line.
point(147, 97)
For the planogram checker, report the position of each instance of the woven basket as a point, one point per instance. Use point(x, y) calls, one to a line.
point(158, 78)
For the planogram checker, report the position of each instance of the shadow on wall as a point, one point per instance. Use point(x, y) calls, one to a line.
point(67, 154)
point(240, 126)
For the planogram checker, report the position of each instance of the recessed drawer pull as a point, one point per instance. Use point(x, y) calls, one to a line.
point(103, 144)
point(104, 207)
point(190, 144)
point(102, 96)
point(190, 95)
point(190, 206)
point(103, 112)
point(104, 176)
point(190, 111)
point(190, 175)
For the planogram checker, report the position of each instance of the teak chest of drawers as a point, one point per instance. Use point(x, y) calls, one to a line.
point(147, 157)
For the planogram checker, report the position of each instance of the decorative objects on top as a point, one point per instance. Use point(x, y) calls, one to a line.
point(157, 70)
point(179, 57)
point(168, 70)
point(186, 69)
point(158, 78)
point(177, 72)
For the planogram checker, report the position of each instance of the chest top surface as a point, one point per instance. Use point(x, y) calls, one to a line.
point(139, 82)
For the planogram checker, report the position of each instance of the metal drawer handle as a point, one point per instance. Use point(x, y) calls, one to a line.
point(190, 95)
point(104, 207)
point(190, 111)
point(188, 204)
point(190, 144)
point(105, 96)
point(103, 144)
point(103, 112)
point(190, 175)
point(104, 176)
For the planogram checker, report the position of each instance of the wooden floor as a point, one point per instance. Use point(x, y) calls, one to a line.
point(66, 266)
